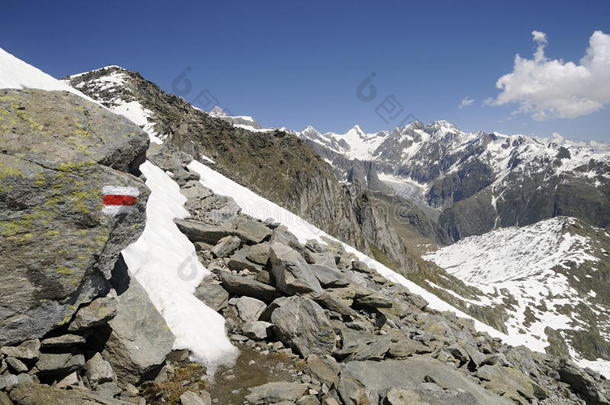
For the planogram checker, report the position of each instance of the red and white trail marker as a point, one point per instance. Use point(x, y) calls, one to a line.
point(119, 200)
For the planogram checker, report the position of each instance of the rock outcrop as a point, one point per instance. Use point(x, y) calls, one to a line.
point(58, 247)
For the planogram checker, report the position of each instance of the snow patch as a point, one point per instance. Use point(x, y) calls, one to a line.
point(164, 261)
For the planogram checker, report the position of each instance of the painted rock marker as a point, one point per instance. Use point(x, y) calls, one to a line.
point(119, 200)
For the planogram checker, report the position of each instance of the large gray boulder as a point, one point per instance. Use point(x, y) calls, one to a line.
point(302, 324)
point(140, 340)
point(380, 377)
point(292, 273)
point(275, 392)
point(38, 394)
point(58, 247)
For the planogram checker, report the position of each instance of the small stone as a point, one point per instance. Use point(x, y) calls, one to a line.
point(99, 371)
point(17, 365)
point(226, 246)
point(63, 341)
point(68, 381)
point(259, 253)
point(190, 398)
point(249, 309)
point(258, 330)
point(98, 312)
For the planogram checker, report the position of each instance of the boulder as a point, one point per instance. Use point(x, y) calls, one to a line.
point(251, 231)
point(259, 253)
point(51, 364)
point(239, 261)
point(28, 350)
point(198, 231)
point(302, 324)
point(380, 377)
point(239, 285)
point(257, 330)
point(282, 235)
point(190, 398)
point(329, 276)
point(212, 295)
point(291, 272)
point(10, 380)
point(139, 339)
point(226, 246)
point(274, 392)
point(38, 394)
point(59, 245)
point(98, 312)
point(510, 383)
point(98, 370)
point(249, 309)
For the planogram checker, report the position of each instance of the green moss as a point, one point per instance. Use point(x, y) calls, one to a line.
point(72, 167)
point(65, 271)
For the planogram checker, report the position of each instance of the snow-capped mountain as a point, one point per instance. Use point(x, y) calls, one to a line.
point(241, 121)
point(480, 181)
point(549, 280)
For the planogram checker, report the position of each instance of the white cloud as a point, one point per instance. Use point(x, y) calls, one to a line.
point(551, 88)
point(465, 102)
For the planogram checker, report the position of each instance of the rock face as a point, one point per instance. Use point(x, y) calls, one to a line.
point(58, 248)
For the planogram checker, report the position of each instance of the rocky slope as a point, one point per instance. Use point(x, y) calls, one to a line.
point(274, 163)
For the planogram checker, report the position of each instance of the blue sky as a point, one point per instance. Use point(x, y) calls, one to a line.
point(299, 63)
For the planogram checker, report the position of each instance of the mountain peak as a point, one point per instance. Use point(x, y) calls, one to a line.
point(218, 112)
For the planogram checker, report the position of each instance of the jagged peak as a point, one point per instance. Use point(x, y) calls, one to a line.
point(217, 111)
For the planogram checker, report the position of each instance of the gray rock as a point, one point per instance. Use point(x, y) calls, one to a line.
point(361, 267)
point(324, 368)
point(198, 231)
point(98, 312)
point(59, 363)
point(328, 276)
point(274, 392)
point(226, 246)
point(291, 272)
point(140, 339)
point(82, 148)
point(17, 365)
point(239, 261)
point(380, 377)
point(308, 400)
point(239, 285)
point(257, 330)
point(251, 231)
point(582, 382)
point(63, 341)
point(213, 295)
point(334, 303)
point(301, 324)
point(259, 253)
point(190, 398)
point(372, 300)
point(28, 350)
point(98, 370)
point(285, 237)
point(249, 309)
point(10, 380)
point(4, 399)
point(215, 210)
point(38, 394)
